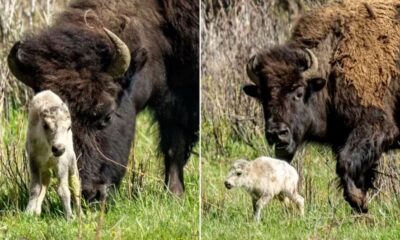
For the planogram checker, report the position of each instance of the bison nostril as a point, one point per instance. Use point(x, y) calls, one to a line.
point(279, 134)
point(283, 132)
point(284, 136)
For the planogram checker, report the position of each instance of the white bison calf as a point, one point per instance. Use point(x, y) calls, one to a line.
point(265, 178)
point(49, 148)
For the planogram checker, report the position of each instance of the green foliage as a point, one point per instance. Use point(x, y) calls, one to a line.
point(141, 209)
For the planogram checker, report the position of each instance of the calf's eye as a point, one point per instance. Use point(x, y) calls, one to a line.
point(69, 128)
point(238, 173)
point(45, 126)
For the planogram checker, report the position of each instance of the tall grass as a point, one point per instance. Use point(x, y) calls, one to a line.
point(18, 17)
point(140, 209)
point(227, 214)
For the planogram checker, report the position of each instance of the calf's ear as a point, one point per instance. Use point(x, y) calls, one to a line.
point(252, 91)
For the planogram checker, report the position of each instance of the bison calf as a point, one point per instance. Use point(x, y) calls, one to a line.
point(49, 146)
point(265, 178)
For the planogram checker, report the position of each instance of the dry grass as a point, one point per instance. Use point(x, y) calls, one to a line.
point(230, 35)
point(17, 18)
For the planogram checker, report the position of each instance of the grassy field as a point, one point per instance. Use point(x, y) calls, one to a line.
point(142, 209)
point(228, 214)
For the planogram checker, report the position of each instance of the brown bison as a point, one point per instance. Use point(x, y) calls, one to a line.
point(336, 81)
point(109, 60)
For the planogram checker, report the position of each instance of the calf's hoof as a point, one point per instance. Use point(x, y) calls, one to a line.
point(257, 219)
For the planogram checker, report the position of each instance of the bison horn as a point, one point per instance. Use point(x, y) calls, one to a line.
point(122, 59)
point(251, 64)
point(17, 68)
point(312, 70)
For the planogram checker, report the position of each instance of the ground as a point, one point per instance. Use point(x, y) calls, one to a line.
point(142, 209)
point(227, 214)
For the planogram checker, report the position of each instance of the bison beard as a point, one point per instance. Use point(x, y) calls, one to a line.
point(109, 60)
point(325, 86)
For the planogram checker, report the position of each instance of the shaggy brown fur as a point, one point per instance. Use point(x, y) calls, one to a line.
point(369, 46)
point(335, 82)
point(72, 58)
point(79, 75)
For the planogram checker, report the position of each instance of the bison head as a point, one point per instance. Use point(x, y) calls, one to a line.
point(286, 80)
point(85, 67)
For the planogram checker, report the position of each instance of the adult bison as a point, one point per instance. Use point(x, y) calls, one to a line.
point(336, 81)
point(109, 60)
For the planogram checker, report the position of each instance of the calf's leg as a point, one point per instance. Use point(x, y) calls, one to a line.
point(63, 189)
point(37, 189)
point(45, 181)
point(298, 200)
point(34, 189)
point(75, 186)
point(259, 205)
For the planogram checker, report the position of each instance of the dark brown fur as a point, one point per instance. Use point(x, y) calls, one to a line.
point(71, 58)
point(350, 102)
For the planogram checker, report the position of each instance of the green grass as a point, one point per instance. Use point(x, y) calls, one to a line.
point(228, 214)
point(141, 209)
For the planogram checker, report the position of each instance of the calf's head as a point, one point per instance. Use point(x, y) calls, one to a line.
point(238, 174)
point(286, 79)
point(55, 124)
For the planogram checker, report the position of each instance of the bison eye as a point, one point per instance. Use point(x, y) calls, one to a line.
point(298, 95)
point(107, 118)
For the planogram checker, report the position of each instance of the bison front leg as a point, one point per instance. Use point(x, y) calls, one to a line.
point(174, 147)
point(176, 143)
point(358, 159)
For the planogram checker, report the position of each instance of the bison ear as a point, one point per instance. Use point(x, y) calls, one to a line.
point(316, 84)
point(252, 91)
point(139, 59)
point(19, 69)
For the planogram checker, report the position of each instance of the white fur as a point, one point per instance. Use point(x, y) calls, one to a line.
point(49, 126)
point(264, 178)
